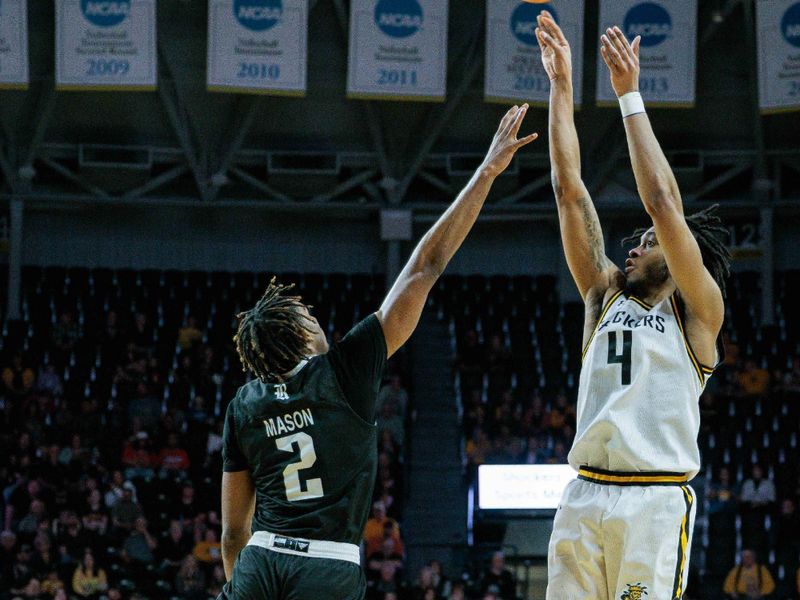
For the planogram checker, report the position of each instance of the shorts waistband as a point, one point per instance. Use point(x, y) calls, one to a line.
point(307, 548)
point(632, 478)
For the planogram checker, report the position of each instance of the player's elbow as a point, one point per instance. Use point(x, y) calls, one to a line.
point(660, 199)
point(565, 189)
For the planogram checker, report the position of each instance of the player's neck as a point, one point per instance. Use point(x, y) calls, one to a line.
point(653, 295)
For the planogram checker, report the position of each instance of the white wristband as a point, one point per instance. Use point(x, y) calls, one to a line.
point(631, 104)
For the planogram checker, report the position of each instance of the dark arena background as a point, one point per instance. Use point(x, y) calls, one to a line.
point(135, 225)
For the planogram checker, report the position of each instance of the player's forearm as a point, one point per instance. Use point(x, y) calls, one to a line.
point(441, 242)
point(565, 153)
point(232, 543)
point(654, 177)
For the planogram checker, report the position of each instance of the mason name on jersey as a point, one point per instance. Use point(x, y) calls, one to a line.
point(289, 422)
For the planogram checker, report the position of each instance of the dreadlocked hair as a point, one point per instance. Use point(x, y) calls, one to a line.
point(273, 336)
point(707, 229)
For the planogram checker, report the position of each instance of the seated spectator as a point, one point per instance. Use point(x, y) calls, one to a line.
point(190, 334)
point(17, 378)
point(145, 407)
point(388, 420)
point(457, 593)
point(126, 511)
point(395, 395)
point(209, 549)
point(478, 447)
point(52, 583)
point(185, 509)
point(8, 543)
point(190, 581)
point(173, 459)
point(440, 582)
point(497, 579)
point(387, 554)
point(498, 365)
point(49, 382)
point(722, 509)
point(65, 335)
point(787, 535)
point(755, 503)
point(470, 362)
point(378, 527)
point(70, 534)
point(138, 547)
point(387, 584)
point(216, 581)
point(749, 579)
point(116, 489)
point(88, 581)
point(174, 547)
point(753, 381)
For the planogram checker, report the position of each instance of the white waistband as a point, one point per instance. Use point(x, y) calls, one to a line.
point(307, 548)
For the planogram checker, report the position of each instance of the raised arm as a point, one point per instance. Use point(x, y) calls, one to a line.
point(659, 191)
point(581, 234)
point(400, 311)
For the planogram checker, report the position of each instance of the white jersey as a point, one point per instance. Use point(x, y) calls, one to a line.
point(638, 397)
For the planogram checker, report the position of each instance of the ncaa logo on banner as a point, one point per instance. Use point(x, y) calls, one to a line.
point(649, 20)
point(398, 18)
point(258, 15)
point(105, 14)
point(523, 21)
point(790, 25)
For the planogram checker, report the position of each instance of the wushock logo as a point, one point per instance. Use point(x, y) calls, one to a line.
point(790, 25)
point(523, 21)
point(398, 18)
point(105, 14)
point(258, 15)
point(649, 20)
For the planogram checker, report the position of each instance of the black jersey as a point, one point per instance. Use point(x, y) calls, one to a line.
point(310, 443)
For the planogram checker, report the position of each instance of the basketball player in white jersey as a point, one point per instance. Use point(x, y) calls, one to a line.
point(623, 529)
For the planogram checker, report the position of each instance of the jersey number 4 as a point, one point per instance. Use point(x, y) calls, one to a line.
point(291, 474)
point(623, 358)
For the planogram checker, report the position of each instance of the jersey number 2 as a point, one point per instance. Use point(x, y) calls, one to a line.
point(291, 475)
point(624, 358)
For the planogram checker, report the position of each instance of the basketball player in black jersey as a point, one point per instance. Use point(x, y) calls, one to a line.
point(300, 448)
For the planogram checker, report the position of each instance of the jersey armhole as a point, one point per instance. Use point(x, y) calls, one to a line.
point(703, 371)
point(603, 312)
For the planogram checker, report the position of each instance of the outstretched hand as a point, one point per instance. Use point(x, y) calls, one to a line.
point(622, 60)
point(505, 143)
point(556, 54)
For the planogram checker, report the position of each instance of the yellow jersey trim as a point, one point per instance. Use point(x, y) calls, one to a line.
point(600, 320)
point(683, 544)
point(632, 478)
point(701, 369)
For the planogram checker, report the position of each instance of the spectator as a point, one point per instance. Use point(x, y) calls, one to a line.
point(498, 365)
point(440, 582)
point(126, 511)
point(457, 593)
point(116, 489)
point(175, 547)
point(216, 581)
point(190, 334)
point(190, 581)
point(173, 459)
point(753, 381)
point(95, 518)
point(756, 501)
point(17, 379)
point(376, 530)
point(185, 509)
point(498, 580)
point(89, 581)
point(787, 535)
point(65, 336)
point(478, 447)
point(388, 583)
point(749, 579)
point(387, 554)
point(49, 382)
point(209, 549)
point(137, 550)
point(145, 407)
point(469, 362)
point(52, 583)
point(722, 509)
point(389, 421)
point(395, 395)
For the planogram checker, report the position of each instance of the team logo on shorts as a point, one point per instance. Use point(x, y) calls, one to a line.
point(636, 591)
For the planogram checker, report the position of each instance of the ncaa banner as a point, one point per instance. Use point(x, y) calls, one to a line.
point(514, 71)
point(778, 25)
point(398, 50)
point(257, 46)
point(102, 45)
point(667, 53)
point(14, 45)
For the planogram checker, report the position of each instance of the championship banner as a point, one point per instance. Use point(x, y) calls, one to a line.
point(106, 45)
point(514, 71)
point(257, 46)
point(667, 54)
point(14, 45)
point(398, 50)
point(778, 25)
